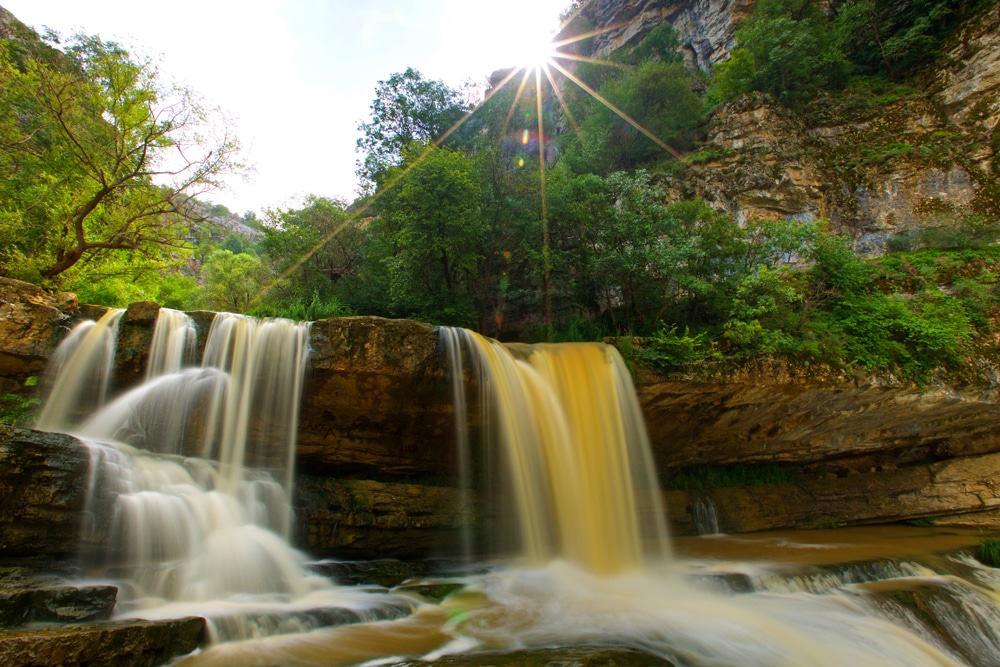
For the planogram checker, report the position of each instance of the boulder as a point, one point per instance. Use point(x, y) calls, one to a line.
point(32, 322)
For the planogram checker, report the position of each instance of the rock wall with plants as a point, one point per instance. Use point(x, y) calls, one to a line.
point(377, 457)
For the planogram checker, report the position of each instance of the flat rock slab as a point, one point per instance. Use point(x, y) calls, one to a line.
point(56, 604)
point(122, 644)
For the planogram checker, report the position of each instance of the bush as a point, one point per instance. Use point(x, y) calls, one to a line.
point(989, 551)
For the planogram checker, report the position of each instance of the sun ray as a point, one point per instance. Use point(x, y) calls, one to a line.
point(378, 194)
point(595, 61)
point(538, 69)
point(597, 96)
point(513, 105)
point(562, 100)
point(545, 211)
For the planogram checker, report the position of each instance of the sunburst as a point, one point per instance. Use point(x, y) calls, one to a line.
point(538, 61)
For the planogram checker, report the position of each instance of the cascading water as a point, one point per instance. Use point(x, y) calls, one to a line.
point(82, 366)
point(595, 567)
point(567, 425)
point(198, 464)
point(200, 521)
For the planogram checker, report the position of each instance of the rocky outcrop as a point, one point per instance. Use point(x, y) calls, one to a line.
point(124, 644)
point(958, 486)
point(832, 427)
point(969, 89)
point(366, 519)
point(20, 604)
point(705, 27)
point(32, 322)
point(884, 176)
point(43, 479)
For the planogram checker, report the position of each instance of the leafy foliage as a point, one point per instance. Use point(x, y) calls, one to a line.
point(407, 108)
point(99, 158)
point(792, 48)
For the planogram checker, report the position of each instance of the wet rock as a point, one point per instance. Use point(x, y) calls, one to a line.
point(236, 627)
point(123, 644)
point(42, 492)
point(367, 519)
point(389, 572)
point(135, 336)
point(956, 486)
point(959, 617)
point(59, 604)
point(570, 656)
point(375, 401)
point(432, 590)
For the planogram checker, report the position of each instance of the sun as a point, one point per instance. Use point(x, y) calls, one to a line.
point(533, 50)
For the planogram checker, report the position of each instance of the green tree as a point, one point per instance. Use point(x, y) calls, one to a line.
point(636, 250)
point(794, 49)
point(425, 243)
point(98, 157)
point(233, 282)
point(655, 92)
point(407, 108)
point(313, 248)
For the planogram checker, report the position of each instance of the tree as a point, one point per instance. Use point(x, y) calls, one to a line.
point(316, 245)
point(233, 282)
point(407, 108)
point(794, 49)
point(426, 240)
point(637, 251)
point(98, 156)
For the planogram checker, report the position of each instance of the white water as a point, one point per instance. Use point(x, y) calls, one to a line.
point(204, 534)
point(198, 462)
point(82, 366)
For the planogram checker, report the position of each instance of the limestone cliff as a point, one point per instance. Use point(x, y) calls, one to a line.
point(883, 169)
point(705, 27)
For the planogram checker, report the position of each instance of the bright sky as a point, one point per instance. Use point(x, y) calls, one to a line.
point(298, 75)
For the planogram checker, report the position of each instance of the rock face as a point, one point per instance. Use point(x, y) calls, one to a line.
point(705, 27)
point(833, 427)
point(955, 487)
point(884, 172)
point(32, 322)
point(366, 519)
point(42, 492)
point(884, 176)
point(375, 400)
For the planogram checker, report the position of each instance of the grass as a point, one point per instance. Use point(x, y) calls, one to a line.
point(989, 551)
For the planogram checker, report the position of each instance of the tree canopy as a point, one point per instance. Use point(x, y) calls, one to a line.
point(99, 157)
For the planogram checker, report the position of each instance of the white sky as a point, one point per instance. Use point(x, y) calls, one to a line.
point(298, 75)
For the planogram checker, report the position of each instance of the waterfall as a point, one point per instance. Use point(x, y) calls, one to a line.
point(82, 366)
point(567, 425)
point(198, 461)
point(706, 520)
point(174, 339)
